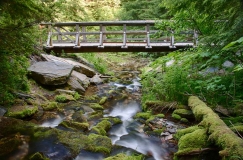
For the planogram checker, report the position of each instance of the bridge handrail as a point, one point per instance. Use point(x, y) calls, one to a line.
point(57, 27)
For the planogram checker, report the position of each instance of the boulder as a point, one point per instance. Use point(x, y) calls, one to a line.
point(82, 78)
point(50, 73)
point(96, 79)
point(79, 67)
point(75, 85)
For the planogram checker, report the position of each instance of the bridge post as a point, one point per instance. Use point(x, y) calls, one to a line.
point(195, 38)
point(77, 41)
point(148, 36)
point(49, 39)
point(59, 36)
point(124, 45)
point(101, 37)
point(172, 40)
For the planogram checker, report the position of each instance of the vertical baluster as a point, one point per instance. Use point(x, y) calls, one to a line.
point(124, 45)
point(77, 42)
point(59, 36)
point(101, 37)
point(148, 36)
point(172, 40)
point(195, 38)
point(49, 40)
point(84, 34)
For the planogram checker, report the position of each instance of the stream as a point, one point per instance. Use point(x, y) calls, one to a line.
point(127, 137)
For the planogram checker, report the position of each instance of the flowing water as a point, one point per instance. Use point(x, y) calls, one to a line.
point(129, 135)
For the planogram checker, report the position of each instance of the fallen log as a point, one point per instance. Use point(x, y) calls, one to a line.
point(219, 133)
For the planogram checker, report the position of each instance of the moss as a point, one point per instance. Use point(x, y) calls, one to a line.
point(91, 98)
point(156, 132)
point(122, 156)
point(38, 156)
point(95, 115)
point(101, 127)
point(144, 115)
point(75, 125)
point(160, 115)
point(151, 118)
point(73, 140)
point(96, 106)
point(184, 120)
point(25, 111)
point(49, 106)
point(103, 100)
point(76, 96)
point(99, 143)
point(184, 113)
point(218, 131)
point(176, 116)
point(113, 120)
point(62, 98)
point(185, 131)
point(192, 141)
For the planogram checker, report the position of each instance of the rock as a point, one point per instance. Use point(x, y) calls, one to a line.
point(20, 111)
point(51, 73)
point(96, 79)
point(2, 111)
point(82, 78)
point(75, 85)
point(77, 66)
point(63, 91)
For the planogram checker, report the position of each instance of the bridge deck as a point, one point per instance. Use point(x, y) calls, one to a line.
point(116, 47)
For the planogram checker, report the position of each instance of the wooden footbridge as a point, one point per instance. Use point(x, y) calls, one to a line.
point(114, 36)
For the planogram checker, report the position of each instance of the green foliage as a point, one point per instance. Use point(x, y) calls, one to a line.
point(99, 63)
point(179, 74)
point(141, 9)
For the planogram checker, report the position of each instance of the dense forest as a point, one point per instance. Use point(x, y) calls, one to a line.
point(212, 71)
point(218, 24)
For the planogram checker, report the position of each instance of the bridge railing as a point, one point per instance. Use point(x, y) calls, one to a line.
point(116, 32)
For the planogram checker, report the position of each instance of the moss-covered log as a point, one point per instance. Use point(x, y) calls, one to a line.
point(222, 136)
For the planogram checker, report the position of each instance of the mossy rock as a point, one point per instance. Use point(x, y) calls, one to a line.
point(79, 116)
point(22, 111)
point(96, 106)
point(122, 156)
point(91, 98)
point(184, 113)
point(99, 143)
point(38, 156)
point(75, 125)
point(50, 106)
point(113, 120)
point(160, 115)
point(63, 98)
point(103, 100)
point(144, 115)
point(193, 141)
point(184, 120)
point(176, 116)
point(156, 132)
point(101, 128)
point(95, 115)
